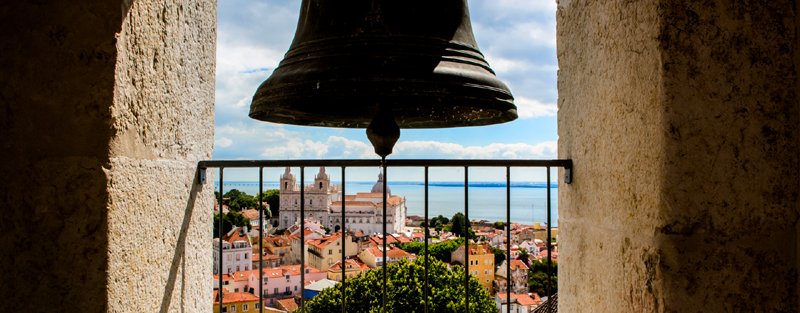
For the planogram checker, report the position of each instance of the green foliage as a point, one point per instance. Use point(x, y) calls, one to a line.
point(524, 256)
point(499, 225)
point(273, 198)
point(404, 290)
point(228, 220)
point(499, 255)
point(441, 251)
point(327, 231)
point(279, 231)
point(238, 200)
point(459, 224)
point(537, 277)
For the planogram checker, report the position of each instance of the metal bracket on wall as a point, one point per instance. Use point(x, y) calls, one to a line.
point(202, 172)
point(568, 175)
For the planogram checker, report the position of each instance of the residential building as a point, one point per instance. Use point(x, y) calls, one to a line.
point(267, 259)
point(237, 251)
point(253, 214)
point(236, 302)
point(278, 282)
point(328, 250)
point(519, 277)
point(520, 303)
point(280, 246)
point(373, 256)
point(353, 267)
point(481, 264)
point(298, 248)
point(323, 202)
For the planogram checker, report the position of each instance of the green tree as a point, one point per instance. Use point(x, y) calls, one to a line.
point(537, 277)
point(404, 289)
point(326, 229)
point(459, 224)
point(273, 198)
point(499, 255)
point(524, 256)
point(228, 220)
point(499, 225)
point(441, 251)
point(279, 231)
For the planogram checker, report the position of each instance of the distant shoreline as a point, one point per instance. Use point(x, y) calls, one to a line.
point(415, 183)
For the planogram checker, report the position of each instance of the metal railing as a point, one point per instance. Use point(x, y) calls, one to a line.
point(384, 164)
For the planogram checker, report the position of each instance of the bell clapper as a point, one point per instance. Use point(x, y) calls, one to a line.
point(383, 131)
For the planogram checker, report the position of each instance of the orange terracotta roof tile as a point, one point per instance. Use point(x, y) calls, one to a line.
point(287, 304)
point(369, 195)
point(349, 198)
point(515, 264)
point(235, 297)
point(338, 204)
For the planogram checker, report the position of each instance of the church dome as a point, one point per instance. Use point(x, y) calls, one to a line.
point(321, 175)
point(288, 174)
point(378, 187)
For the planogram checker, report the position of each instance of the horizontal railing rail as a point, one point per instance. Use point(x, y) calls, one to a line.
point(424, 163)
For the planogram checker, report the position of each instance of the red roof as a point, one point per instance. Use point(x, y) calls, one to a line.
point(287, 304)
point(235, 297)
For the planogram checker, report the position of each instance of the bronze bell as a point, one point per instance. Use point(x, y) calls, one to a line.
point(395, 64)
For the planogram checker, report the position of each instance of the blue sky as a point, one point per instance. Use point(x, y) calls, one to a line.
point(517, 37)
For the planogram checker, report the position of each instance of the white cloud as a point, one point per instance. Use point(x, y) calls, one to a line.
point(222, 142)
point(530, 108)
point(435, 149)
point(243, 102)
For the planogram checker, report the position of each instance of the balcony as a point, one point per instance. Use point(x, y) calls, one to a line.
point(426, 164)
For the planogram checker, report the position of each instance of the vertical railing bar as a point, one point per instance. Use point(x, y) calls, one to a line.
point(302, 240)
point(508, 239)
point(427, 227)
point(344, 243)
point(260, 241)
point(385, 262)
point(466, 238)
point(219, 236)
point(549, 248)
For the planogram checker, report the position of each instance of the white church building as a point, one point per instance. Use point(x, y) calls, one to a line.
point(323, 203)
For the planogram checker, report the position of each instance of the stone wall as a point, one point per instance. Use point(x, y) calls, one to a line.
point(682, 122)
point(106, 108)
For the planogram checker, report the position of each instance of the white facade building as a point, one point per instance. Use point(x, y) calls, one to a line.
point(237, 251)
point(323, 202)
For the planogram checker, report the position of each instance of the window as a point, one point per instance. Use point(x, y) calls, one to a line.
point(246, 267)
point(320, 185)
point(235, 289)
point(256, 306)
point(230, 257)
point(224, 309)
point(485, 272)
point(288, 289)
point(245, 256)
point(276, 291)
point(337, 277)
point(265, 279)
point(330, 251)
point(485, 262)
point(237, 268)
point(233, 308)
point(285, 185)
point(310, 201)
point(244, 307)
point(287, 277)
point(306, 271)
point(490, 272)
point(295, 288)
